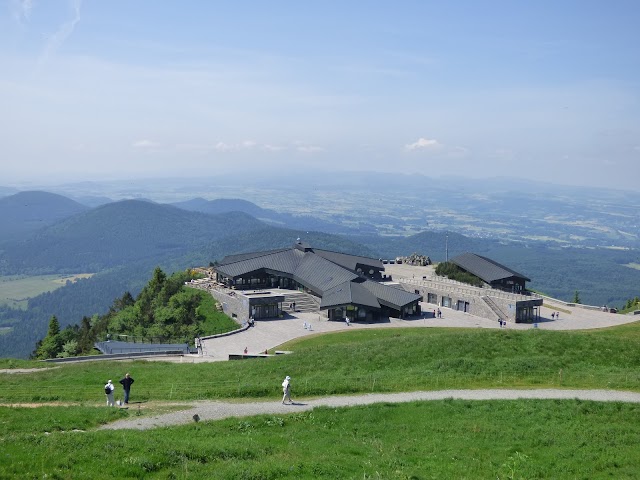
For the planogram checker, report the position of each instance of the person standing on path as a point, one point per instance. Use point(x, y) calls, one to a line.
point(108, 390)
point(286, 389)
point(126, 383)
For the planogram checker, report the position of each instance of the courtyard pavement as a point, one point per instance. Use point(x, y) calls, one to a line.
point(271, 333)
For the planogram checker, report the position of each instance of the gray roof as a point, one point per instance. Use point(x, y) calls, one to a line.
point(485, 268)
point(390, 295)
point(349, 261)
point(246, 256)
point(320, 274)
point(329, 274)
point(284, 261)
point(349, 293)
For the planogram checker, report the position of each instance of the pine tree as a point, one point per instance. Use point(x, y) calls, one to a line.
point(51, 345)
point(576, 297)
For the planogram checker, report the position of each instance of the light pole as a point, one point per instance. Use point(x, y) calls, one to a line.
point(446, 247)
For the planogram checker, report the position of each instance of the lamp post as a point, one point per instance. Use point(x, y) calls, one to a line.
point(446, 247)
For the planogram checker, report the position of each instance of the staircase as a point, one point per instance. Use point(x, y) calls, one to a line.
point(304, 302)
point(495, 308)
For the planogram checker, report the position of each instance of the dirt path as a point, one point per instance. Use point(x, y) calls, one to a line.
point(220, 410)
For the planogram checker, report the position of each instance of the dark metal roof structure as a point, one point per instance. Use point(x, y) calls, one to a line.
point(485, 268)
point(349, 293)
point(329, 274)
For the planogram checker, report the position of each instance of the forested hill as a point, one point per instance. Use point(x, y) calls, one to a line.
point(26, 212)
point(95, 295)
point(119, 233)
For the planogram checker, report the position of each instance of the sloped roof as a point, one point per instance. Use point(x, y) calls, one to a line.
point(349, 293)
point(321, 274)
point(390, 295)
point(485, 268)
point(348, 261)
point(328, 273)
point(246, 256)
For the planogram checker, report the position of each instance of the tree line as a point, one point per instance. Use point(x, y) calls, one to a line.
point(165, 310)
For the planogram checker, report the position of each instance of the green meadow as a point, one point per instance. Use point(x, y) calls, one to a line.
point(15, 291)
point(439, 439)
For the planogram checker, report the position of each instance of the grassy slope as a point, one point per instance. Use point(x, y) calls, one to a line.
point(385, 360)
point(444, 439)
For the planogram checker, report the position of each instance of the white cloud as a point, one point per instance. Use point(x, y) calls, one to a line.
point(21, 10)
point(55, 41)
point(423, 143)
point(234, 147)
point(145, 144)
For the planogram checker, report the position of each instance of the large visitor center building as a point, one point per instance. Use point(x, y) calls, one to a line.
point(340, 286)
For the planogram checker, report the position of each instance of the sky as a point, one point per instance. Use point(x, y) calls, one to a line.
point(544, 90)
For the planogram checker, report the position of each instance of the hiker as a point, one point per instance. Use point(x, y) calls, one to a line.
point(553, 315)
point(286, 389)
point(108, 390)
point(246, 350)
point(126, 383)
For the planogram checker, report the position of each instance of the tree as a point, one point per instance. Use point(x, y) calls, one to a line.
point(576, 297)
point(51, 345)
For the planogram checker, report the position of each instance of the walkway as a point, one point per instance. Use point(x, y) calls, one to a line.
point(220, 410)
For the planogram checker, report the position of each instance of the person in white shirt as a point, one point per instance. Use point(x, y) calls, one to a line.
point(108, 390)
point(286, 390)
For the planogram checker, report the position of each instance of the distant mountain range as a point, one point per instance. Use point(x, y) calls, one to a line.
point(26, 212)
point(123, 241)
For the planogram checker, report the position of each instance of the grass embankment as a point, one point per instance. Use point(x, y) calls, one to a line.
point(440, 439)
point(215, 321)
point(360, 361)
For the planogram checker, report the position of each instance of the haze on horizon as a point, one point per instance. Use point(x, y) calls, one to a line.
point(541, 90)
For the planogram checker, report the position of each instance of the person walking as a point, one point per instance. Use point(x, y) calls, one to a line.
point(286, 390)
point(126, 383)
point(108, 390)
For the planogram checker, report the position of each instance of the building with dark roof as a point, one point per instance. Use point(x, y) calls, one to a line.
point(495, 275)
point(345, 285)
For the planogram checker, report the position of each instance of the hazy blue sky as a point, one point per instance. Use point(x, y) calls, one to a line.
point(541, 89)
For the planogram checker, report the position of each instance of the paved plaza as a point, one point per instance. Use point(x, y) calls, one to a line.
point(271, 333)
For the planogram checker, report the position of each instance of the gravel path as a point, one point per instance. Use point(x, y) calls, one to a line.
point(220, 410)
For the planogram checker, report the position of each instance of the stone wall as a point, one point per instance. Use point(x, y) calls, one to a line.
point(235, 306)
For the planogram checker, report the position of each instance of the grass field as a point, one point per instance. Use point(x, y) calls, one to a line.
point(440, 439)
point(385, 360)
point(15, 291)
